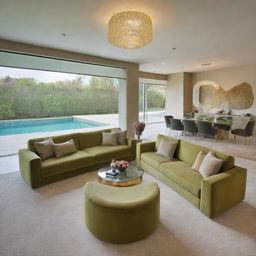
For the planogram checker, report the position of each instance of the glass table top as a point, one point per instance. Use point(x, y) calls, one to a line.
point(133, 172)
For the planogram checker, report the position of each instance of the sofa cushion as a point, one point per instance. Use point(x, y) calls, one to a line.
point(199, 159)
point(75, 161)
point(56, 139)
point(153, 159)
point(105, 153)
point(167, 149)
point(65, 148)
point(182, 174)
point(188, 152)
point(91, 139)
point(44, 148)
point(161, 137)
point(121, 139)
point(109, 139)
point(210, 165)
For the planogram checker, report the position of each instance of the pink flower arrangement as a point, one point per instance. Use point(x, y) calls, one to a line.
point(120, 165)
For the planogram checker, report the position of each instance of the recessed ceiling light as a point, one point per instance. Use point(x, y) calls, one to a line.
point(206, 64)
point(63, 34)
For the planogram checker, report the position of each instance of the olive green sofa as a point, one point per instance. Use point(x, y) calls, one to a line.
point(212, 195)
point(91, 155)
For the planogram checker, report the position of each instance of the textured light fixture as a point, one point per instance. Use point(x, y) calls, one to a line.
point(130, 30)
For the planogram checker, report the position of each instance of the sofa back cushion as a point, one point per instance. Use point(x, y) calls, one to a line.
point(56, 139)
point(187, 152)
point(161, 137)
point(91, 139)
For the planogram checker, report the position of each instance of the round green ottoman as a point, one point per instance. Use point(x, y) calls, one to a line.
point(121, 214)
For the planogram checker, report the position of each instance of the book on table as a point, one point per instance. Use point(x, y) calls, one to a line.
point(112, 172)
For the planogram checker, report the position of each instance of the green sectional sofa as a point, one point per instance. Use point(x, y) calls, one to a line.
point(91, 155)
point(212, 195)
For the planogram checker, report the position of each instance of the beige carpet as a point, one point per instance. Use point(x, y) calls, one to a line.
point(49, 221)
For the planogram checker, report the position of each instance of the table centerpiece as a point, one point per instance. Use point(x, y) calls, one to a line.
point(121, 166)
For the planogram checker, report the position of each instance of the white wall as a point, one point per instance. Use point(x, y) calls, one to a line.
point(174, 95)
point(179, 94)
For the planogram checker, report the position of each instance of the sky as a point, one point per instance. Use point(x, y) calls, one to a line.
point(40, 76)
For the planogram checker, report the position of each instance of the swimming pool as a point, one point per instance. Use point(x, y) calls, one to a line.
point(44, 125)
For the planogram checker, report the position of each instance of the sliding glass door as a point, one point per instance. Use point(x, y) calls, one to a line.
point(152, 103)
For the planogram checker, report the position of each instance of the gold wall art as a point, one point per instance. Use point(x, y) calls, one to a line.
point(210, 97)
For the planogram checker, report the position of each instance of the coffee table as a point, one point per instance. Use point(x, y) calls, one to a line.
point(133, 176)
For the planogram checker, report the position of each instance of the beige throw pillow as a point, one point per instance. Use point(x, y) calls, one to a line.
point(66, 148)
point(210, 165)
point(109, 139)
point(44, 148)
point(199, 159)
point(167, 149)
point(121, 138)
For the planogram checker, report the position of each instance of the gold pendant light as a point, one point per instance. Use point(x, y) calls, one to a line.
point(130, 30)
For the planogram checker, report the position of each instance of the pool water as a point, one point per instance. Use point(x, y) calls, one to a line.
point(44, 125)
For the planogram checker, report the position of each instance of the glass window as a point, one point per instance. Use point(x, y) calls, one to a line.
point(152, 99)
point(36, 94)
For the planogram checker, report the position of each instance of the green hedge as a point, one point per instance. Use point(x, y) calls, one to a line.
point(28, 98)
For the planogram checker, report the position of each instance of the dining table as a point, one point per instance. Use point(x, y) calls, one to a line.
point(221, 124)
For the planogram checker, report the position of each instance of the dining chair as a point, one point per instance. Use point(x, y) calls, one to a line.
point(206, 129)
point(190, 126)
point(176, 125)
point(246, 133)
point(167, 121)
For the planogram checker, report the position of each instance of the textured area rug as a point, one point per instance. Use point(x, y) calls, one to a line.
point(49, 221)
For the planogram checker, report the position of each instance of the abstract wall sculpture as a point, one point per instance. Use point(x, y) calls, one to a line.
point(208, 96)
point(241, 96)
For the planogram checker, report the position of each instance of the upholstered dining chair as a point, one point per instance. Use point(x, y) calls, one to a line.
point(206, 129)
point(190, 126)
point(246, 133)
point(167, 121)
point(176, 125)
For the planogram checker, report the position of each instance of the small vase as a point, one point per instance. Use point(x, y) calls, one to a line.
point(138, 138)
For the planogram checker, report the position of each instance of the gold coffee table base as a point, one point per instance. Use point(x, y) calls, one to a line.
point(120, 184)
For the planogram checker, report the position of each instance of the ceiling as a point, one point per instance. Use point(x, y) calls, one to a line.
point(220, 32)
